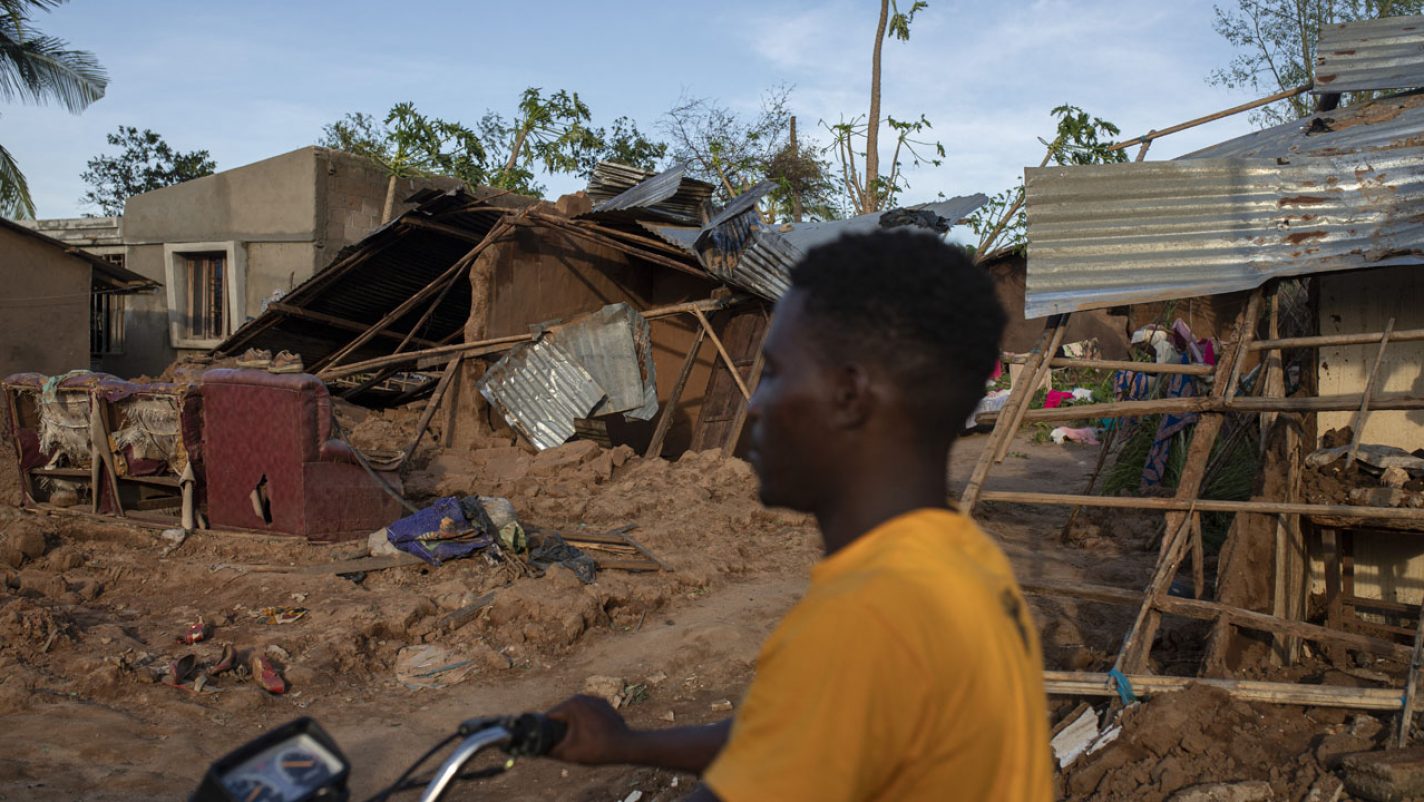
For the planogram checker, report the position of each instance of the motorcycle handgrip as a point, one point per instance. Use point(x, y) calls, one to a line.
point(535, 734)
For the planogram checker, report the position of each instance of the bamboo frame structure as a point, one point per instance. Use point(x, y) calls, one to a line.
point(1183, 511)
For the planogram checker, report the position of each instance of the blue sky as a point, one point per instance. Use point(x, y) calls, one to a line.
point(254, 79)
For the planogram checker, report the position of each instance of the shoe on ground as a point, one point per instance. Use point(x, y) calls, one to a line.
point(286, 362)
point(259, 358)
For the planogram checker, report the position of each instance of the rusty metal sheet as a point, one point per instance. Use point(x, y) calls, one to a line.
point(1384, 124)
point(1105, 235)
point(1370, 54)
point(540, 389)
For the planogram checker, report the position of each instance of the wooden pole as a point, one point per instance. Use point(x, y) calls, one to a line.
point(1072, 683)
point(1202, 610)
point(324, 365)
point(1134, 409)
point(1207, 505)
point(434, 403)
point(1362, 415)
point(1406, 336)
point(655, 446)
point(497, 344)
point(1019, 393)
point(1255, 104)
point(1411, 686)
point(337, 322)
point(726, 357)
point(1137, 644)
point(1041, 371)
point(739, 421)
point(1117, 364)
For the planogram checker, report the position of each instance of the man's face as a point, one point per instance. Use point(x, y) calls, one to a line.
point(791, 436)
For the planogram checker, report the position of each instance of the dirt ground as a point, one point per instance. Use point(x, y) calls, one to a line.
point(90, 613)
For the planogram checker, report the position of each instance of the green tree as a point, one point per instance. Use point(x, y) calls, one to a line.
point(144, 163)
point(1275, 42)
point(35, 68)
point(1079, 139)
point(549, 133)
point(735, 152)
point(855, 141)
point(408, 144)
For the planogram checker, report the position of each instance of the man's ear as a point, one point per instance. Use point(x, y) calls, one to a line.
point(853, 396)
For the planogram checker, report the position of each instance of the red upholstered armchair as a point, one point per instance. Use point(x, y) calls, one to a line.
point(272, 463)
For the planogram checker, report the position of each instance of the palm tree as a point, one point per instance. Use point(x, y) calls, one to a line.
point(38, 69)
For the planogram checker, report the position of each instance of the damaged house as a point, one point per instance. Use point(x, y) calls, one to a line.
point(1308, 236)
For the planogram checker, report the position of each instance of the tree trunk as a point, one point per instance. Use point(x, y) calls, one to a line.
point(514, 151)
point(870, 201)
point(796, 210)
point(390, 199)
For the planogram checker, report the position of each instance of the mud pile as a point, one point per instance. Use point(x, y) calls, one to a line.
point(1201, 735)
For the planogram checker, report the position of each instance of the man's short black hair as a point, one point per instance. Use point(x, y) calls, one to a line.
point(914, 305)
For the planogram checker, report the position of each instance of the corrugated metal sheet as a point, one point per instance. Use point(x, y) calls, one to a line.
point(1106, 235)
point(681, 236)
point(611, 179)
point(742, 251)
point(1370, 54)
point(540, 389)
point(606, 343)
point(1384, 124)
point(808, 235)
point(671, 195)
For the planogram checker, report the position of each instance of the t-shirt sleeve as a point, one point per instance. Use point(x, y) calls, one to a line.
point(830, 714)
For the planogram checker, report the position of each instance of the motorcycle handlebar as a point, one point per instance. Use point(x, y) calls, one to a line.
point(530, 734)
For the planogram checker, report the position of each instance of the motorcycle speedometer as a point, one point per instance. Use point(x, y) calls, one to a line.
point(297, 762)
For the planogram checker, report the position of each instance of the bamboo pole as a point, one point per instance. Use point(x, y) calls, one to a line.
point(739, 421)
point(340, 323)
point(655, 446)
point(1116, 364)
point(430, 406)
point(1018, 394)
point(1411, 685)
point(1369, 338)
point(1202, 610)
point(610, 242)
point(496, 344)
point(1206, 505)
point(1362, 415)
point(1255, 104)
point(1073, 683)
point(726, 357)
point(324, 365)
point(1137, 644)
point(1134, 409)
point(1041, 371)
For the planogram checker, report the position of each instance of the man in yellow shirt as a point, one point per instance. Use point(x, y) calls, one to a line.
point(911, 668)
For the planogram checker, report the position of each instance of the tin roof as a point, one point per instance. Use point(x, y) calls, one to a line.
point(541, 390)
point(1383, 53)
point(1105, 235)
point(1336, 190)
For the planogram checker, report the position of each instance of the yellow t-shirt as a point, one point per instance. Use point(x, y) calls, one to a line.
point(910, 671)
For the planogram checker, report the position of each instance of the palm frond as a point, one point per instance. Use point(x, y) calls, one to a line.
point(37, 69)
point(15, 201)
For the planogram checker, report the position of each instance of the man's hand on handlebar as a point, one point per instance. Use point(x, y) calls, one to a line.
point(597, 734)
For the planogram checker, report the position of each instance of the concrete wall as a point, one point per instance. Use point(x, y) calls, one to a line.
point(351, 196)
point(285, 218)
point(44, 307)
